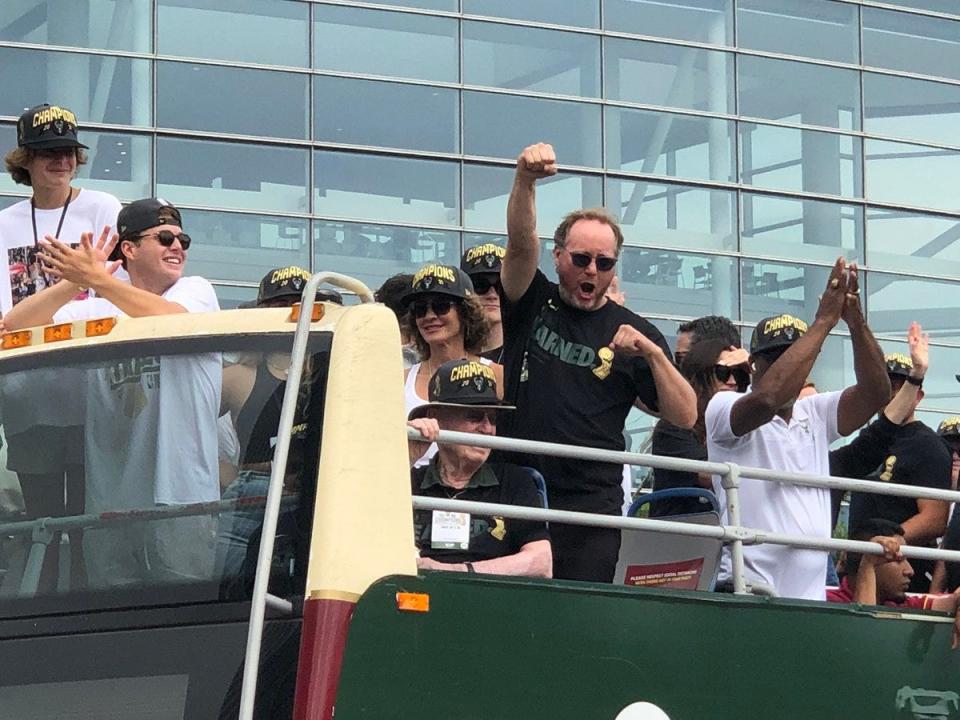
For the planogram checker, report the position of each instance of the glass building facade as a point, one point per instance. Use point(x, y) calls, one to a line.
point(744, 144)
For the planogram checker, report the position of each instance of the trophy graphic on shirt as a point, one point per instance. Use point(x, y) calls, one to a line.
point(606, 361)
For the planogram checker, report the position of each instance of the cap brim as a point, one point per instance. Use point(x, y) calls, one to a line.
point(421, 410)
point(432, 291)
point(55, 143)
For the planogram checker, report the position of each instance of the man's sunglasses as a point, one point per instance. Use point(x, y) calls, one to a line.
point(419, 308)
point(478, 416)
point(482, 285)
point(740, 375)
point(583, 260)
point(166, 238)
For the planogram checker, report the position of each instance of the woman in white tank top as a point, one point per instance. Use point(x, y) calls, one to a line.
point(447, 322)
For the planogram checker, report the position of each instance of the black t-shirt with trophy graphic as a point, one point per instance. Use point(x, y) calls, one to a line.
point(569, 388)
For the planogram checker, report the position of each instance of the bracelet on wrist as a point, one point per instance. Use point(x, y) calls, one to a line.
point(469, 567)
point(918, 381)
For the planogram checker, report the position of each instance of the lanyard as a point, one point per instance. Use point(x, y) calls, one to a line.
point(33, 218)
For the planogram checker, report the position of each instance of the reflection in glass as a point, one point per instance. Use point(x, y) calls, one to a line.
point(521, 58)
point(100, 89)
point(935, 304)
point(913, 43)
point(118, 163)
point(911, 109)
point(913, 243)
point(270, 32)
point(385, 114)
point(941, 6)
point(254, 244)
point(231, 296)
point(800, 160)
point(374, 252)
point(812, 230)
point(799, 92)
point(820, 29)
point(8, 141)
point(486, 189)
point(668, 75)
point(667, 144)
point(381, 188)
point(706, 21)
point(97, 24)
point(385, 43)
point(501, 126)
point(673, 215)
point(670, 283)
point(232, 175)
point(771, 288)
point(583, 13)
point(224, 109)
point(441, 5)
point(912, 175)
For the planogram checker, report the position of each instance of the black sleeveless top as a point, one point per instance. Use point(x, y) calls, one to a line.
point(259, 418)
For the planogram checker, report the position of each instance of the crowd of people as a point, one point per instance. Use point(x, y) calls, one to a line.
point(491, 345)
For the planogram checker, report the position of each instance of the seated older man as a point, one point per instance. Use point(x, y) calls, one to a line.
point(463, 398)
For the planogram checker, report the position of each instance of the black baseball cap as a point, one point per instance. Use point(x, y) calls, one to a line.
point(440, 280)
point(486, 258)
point(776, 332)
point(949, 428)
point(142, 215)
point(288, 282)
point(462, 384)
point(46, 127)
point(898, 365)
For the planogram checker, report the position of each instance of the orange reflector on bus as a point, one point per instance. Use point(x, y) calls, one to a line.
point(100, 326)
point(20, 338)
point(413, 602)
point(316, 315)
point(55, 333)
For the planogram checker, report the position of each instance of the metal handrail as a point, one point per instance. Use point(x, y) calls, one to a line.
point(259, 600)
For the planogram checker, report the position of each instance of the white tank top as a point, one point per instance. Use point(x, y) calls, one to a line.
point(413, 400)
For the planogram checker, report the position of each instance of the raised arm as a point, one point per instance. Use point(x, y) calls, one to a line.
point(523, 245)
point(860, 401)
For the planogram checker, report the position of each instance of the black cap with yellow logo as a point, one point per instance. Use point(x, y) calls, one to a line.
point(486, 258)
point(898, 365)
point(440, 280)
point(774, 333)
point(462, 384)
point(949, 428)
point(284, 286)
point(46, 127)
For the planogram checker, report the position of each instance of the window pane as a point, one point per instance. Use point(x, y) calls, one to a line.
point(383, 188)
point(98, 24)
point(442, 5)
point(771, 288)
point(520, 58)
point(911, 109)
point(801, 229)
point(502, 125)
point(706, 21)
point(679, 284)
point(95, 87)
point(673, 215)
point(583, 13)
point(369, 112)
point(799, 92)
point(385, 43)
point(810, 28)
point(254, 244)
point(230, 296)
point(486, 189)
point(280, 109)
point(666, 144)
point(901, 41)
point(913, 243)
point(934, 304)
point(803, 160)
point(372, 253)
point(941, 6)
point(231, 175)
point(119, 164)
point(8, 141)
point(669, 75)
point(912, 175)
point(272, 32)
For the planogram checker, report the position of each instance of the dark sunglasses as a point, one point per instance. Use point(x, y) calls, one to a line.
point(478, 416)
point(482, 285)
point(439, 306)
point(583, 260)
point(740, 375)
point(166, 238)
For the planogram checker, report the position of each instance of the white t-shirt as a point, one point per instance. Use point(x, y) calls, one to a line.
point(141, 405)
point(802, 446)
point(90, 211)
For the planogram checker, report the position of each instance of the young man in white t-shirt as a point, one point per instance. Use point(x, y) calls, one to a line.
point(151, 422)
point(769, 427)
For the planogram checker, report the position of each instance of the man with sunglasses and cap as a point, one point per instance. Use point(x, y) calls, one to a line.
point(576, 362)
point(769, 427)
point(483, 263)
point(463, 398)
